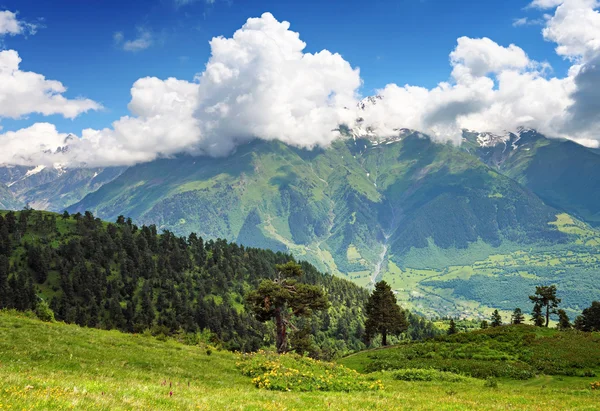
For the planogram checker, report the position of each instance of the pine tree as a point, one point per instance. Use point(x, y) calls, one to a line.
point(579, 323)
point(384, 315)
point(563, 320)
point(496, 319)
point(484, 325)
point(284, 298)
point(5, 291)
point(591, 317)
point(545, 296)
point(536, 315)
point(452, 329)
point(517, 317)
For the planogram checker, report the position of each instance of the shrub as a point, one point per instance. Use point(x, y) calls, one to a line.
point(490, 383)
point(291, 372)
point(588, 373)
point(416, 374)
point(44, 312)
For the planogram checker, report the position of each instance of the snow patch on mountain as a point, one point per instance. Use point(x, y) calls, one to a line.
point(34, 171)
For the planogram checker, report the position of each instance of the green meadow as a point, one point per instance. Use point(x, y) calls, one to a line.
point(55, 366)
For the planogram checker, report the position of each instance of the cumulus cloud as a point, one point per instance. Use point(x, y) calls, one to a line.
point(10, 25)
point(143, 40)
point(25, 92)
point(257, 84)
point(575, 28)
point(260, 83)
point(498, 88)
point(493, 88)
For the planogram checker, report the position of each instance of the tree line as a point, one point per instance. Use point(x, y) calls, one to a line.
point(545, 304)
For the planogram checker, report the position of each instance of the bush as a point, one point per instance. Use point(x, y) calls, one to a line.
point(291, 372)
point(44, 312)
point(490, 383)
point(415, 374)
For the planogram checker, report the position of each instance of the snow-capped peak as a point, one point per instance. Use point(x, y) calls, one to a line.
point(368, 101)
point(487, 139)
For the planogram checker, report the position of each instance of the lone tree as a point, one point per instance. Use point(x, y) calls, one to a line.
point(545, 296)
point(452, 329)
point(283, 298)
point(384, 315)
point(517, 317)
point(496, 319)
point(563, 320)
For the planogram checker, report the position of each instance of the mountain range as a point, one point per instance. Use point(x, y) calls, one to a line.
point(456, 230)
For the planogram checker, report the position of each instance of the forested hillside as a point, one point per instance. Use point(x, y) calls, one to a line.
point(131, 278)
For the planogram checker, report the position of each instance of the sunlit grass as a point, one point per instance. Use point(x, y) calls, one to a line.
point(61, 367)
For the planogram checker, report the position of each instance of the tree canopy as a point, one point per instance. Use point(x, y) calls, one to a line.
point(544, 297)
point(284, 298)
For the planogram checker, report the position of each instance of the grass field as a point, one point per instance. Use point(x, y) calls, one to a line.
point(57, 366)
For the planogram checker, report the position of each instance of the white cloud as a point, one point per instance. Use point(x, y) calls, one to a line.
point(118, 37)
point(575, 28)
point(30, 145)
point(525, 21)
point(25, 92)
point(10, 25)
point(520, 22)
point(257, 84)
point(260, 83)
point(479, 57)
point(143, 40)
point(545, 4)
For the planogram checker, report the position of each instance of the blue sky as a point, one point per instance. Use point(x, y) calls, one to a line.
point(401, 41)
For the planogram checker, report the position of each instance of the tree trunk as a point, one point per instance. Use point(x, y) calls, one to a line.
point(547, 314)
point(281, 332)
point(384, 338)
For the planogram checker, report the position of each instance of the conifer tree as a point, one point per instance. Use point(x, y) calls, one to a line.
point(517, 317)
point(545, 296)
point(284, 298)
point(5, 292)
point(452, 329)
point(496, 319)
point(537, 316)
point(563, 320)
point(590, 318)
point(384, 315)
point(484, 325)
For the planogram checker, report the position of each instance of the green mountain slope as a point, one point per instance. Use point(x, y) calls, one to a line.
point(8, 200)
point(563, 173)
point(53, 188)
point(419, 214)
